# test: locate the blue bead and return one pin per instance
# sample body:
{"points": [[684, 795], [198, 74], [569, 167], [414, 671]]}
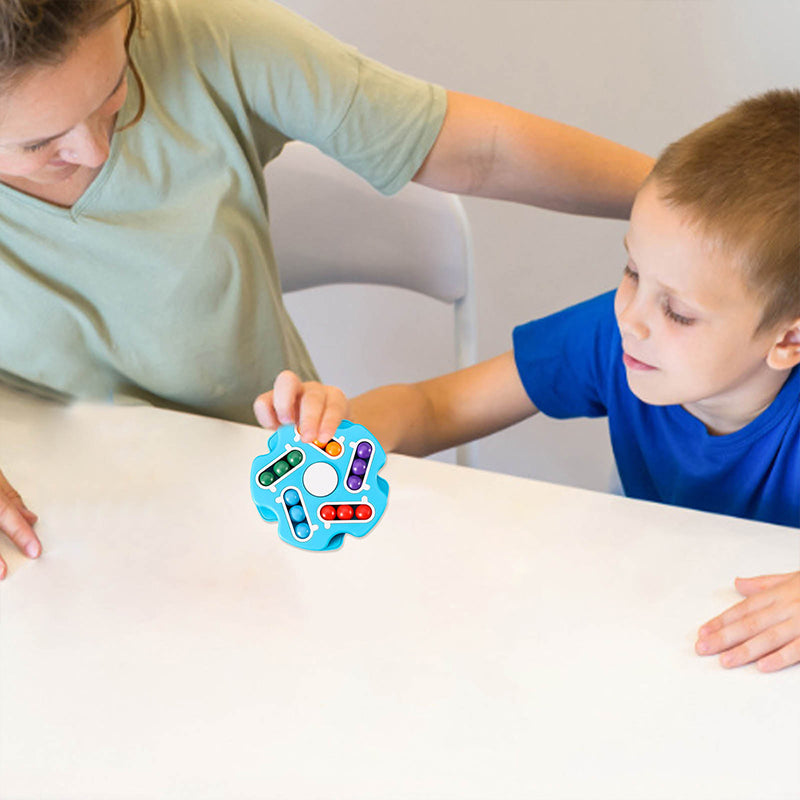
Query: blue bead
{"points": [[302, 531], [297, 514], [292, 497]]}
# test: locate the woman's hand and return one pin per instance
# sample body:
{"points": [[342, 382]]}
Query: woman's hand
{"points": [[316, 409], [16, 522], [764, 628]]}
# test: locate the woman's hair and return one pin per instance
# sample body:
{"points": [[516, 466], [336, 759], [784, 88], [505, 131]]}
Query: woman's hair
{"points": [[738, 179], [43, 32]]}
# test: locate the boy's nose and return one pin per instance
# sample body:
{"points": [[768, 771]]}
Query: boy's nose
{"points": [[631, 321]]}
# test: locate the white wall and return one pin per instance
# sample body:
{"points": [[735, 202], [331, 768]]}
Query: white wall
{"points": [[642, 72]]}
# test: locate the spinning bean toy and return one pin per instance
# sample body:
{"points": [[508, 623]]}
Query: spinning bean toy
{"points": [[319, 492]]}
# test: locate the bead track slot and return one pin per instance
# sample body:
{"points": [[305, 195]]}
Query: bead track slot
{"points": [[297, 514], [358, 469], [333, 449], [282, 466], [354, 513]]}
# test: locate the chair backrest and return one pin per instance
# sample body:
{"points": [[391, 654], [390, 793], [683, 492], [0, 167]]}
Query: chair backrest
{"points": [[329, 226]]}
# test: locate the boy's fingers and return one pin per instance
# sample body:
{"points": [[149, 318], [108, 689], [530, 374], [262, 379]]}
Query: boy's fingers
{"points": [[312, 406], [286, 394], [754, 633], [785, 657], [750, 586], [770, 640], [264, 410], [334, 413], [735, 613], [316, 409]]}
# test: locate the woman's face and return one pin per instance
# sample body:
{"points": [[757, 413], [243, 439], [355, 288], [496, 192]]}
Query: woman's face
{"points": [[59, 119]]}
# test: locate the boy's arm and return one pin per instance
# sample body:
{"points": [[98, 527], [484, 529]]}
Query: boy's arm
{"points": [[423, 418], [492, 150], [764, 628], [415, 419]]}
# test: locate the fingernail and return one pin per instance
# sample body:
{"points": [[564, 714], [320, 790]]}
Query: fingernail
{"points": [[33, 549], [702, 648]]}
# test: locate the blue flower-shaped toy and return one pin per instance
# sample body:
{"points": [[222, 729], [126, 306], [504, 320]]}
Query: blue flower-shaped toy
{"points": [[319, 492]]}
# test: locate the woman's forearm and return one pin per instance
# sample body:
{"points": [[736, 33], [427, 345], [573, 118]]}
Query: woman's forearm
{"points": [[493, 150]]}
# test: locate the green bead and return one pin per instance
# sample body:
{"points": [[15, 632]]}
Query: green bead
{"points": [[280, 468], [266, 478], [294, 457]]}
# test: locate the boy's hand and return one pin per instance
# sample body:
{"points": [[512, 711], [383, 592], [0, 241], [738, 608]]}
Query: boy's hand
{"points": [[314, 408], [16, 521], [764, 628]]}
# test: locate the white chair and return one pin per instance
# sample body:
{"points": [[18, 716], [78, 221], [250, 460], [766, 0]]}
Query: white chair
{"points": [[330, 226]]}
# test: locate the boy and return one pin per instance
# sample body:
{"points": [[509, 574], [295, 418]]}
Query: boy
{"points": [[694, 359]]}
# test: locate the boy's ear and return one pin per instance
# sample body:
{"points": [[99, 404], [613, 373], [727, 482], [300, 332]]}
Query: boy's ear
{"points": [[785, 353]]}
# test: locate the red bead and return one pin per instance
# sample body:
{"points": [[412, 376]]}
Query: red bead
{"points": [[363, 512], [327, 513], [344, 512]]}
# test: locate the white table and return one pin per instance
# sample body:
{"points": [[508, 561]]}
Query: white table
{"points": [[492, 638]]}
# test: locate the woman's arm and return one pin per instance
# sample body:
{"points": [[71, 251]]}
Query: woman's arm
{"points": [[492, 150]]}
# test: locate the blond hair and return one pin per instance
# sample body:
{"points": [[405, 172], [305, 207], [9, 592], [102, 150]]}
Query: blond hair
{"points": [[738, 179], [43, 32]]}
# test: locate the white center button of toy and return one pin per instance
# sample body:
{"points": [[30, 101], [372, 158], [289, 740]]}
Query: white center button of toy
{"points": [[320, 479]]}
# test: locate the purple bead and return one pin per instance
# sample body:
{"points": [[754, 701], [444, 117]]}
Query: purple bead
{"points": [[354, 483], [364, 450], [359, 466]]}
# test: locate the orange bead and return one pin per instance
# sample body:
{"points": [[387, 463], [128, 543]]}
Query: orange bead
{"points": [[333, 448]]}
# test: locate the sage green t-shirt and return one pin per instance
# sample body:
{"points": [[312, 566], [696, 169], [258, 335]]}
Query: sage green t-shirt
{"points": [[160, 282]]}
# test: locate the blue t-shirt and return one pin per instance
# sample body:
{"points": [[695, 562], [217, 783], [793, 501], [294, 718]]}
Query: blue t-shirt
{"points": [[571, 365]]}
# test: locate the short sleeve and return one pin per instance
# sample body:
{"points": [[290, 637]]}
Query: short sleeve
{"points": [[564, 359], [302, 82]]}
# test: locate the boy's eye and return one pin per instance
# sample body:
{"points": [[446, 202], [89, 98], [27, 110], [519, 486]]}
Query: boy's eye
{"points": [[629, 273], [679, 318]]}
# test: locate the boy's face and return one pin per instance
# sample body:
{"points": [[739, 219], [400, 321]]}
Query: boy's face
{"points": [[687, 320]]}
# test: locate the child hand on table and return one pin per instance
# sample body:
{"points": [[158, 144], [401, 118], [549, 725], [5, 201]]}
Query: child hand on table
{"points": [[764, 628]]}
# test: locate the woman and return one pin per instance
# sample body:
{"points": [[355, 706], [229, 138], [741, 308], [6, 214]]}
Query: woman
{"points": [[135, 258]]}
